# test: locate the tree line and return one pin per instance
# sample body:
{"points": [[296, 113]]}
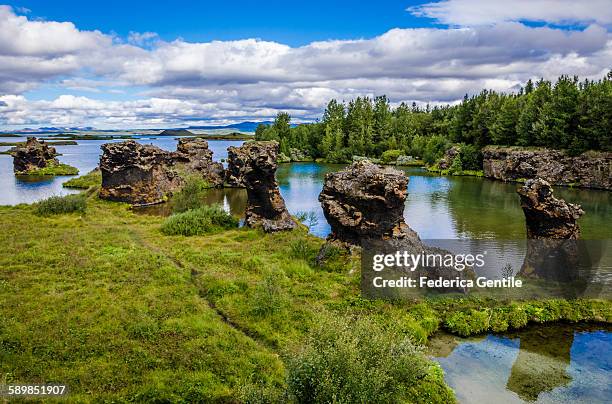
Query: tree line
{"points": [[567, 114]]}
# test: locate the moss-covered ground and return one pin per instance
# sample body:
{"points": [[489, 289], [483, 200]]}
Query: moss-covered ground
{"points": [[91, 179], [52, 168], [106, 303]]}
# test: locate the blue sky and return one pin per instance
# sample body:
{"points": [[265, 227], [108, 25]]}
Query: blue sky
{"points": [[293, 23], [143, 64]]}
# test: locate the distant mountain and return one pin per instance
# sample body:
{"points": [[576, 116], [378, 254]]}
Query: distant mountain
{"points": [[247, 126], [244, 127], [175, 132]]}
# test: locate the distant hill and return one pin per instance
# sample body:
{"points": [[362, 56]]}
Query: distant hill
{"points": [[176, 132], [247, 126]]}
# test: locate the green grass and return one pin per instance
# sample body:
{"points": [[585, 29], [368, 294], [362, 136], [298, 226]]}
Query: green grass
{"points": [[57, 205], [108, 304], [91, 179], [200, 221], [52, 169], [467, 173]]}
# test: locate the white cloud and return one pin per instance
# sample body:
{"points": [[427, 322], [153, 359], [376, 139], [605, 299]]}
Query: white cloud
{"points": [[179, 81], [480, 12]]}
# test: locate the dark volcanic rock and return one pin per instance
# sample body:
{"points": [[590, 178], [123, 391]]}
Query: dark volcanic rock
{"points": [[364, 205], [145, 174], [588, 170], [365, 201], [135, 173], [235, 168], [33, 155], [254, 165], [547, 216], [197, 158], [553, 251]]}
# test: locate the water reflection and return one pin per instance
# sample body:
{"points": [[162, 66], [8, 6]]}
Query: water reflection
{"points": [[555, 363], [436, 207], [84, 156]]}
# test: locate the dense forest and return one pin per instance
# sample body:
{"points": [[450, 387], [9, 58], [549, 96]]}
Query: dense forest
{"points": [[568, 114]]}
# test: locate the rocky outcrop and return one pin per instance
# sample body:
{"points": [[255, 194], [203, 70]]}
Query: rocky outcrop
{"points": [[364, 205], [235, 168], [553, 252], [136, 174], [365, 201], [197, 158], [33, 155], [254, 164], [447, 160], [548, 217], [146, 175], [588, 170]]}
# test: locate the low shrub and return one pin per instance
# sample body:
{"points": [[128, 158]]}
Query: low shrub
{"points": [[57, 205], [307, 218], [390, 156], [455, 168], [471, 157], [348, 361], [270, 296], [204, 220]]}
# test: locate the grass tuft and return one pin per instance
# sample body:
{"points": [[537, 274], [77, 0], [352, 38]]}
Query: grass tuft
{"points": [[57, 205], [197, 222]]}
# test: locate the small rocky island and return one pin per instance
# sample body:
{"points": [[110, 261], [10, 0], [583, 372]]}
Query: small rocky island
{"points": [[38, 158]]}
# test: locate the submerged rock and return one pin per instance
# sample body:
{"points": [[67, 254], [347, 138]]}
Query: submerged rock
{"points": [[33, 155], [198, 159], [547, 216], [253, 165], [136, 174]]}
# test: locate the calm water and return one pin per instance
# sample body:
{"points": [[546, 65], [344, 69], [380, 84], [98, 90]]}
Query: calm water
{"points": [[556, 363], [84, 156], [437, 207]]}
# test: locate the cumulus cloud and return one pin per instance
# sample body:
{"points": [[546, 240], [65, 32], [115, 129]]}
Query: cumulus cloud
{"points": [[479, 12], [178, 81]]}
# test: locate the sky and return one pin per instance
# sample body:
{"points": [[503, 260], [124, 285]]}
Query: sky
{"points": [[142, 64]]}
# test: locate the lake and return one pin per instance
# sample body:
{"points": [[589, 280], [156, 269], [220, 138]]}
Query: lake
{"points": [[555, 363], [437, 207]]}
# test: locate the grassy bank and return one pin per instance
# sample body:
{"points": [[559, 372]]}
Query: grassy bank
{"points": [[468, 173], [52, 143], [52, 169], [91, 179], [102, 300]]}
